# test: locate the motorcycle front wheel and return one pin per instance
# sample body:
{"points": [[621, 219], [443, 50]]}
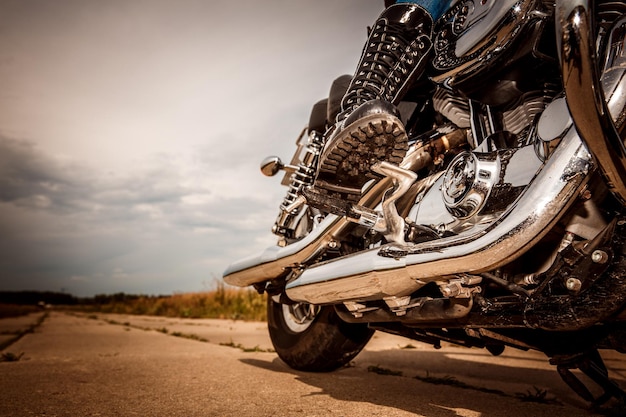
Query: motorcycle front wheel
{"points": [[313, 338]]}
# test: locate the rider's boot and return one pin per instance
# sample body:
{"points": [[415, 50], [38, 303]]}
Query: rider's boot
{"points": [[368, 128]]}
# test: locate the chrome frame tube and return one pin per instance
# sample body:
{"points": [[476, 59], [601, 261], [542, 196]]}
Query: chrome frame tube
{"points": [[584, 95]]}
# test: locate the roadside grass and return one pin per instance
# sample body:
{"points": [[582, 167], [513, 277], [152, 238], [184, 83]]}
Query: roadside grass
{"points": [[383, 371], [222, 303], [246, 349], [127, 326], [538, 396], [191, 336], [16, 310], [10, 357], [453, 382]]}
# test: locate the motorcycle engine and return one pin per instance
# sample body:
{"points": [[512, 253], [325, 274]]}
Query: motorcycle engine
{"points": [[497, 76]]}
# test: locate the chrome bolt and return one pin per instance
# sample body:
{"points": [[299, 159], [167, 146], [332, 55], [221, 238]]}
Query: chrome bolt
{"points": [[599, 257], [333, 244], [573, 284]]}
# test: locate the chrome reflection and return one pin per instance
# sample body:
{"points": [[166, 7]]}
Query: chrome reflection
{"points": [[584, 92], [400, 270]]}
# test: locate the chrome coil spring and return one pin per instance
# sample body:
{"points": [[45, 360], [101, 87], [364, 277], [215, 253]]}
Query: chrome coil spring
{"points": [[305, 174], [302, 177]]}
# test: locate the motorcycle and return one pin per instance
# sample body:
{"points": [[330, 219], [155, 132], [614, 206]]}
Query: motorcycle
{"points": [[504, 225]]}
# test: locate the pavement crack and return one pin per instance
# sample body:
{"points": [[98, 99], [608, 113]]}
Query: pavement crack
{"points": [[18, 335]]}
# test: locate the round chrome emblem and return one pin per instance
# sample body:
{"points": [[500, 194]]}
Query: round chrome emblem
{"points": [[468, 182]]}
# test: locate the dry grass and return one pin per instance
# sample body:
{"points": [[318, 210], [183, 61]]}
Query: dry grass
{"points": [[224, 303], [15, 310]]}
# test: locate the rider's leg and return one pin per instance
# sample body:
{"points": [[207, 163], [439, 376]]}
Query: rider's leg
{"points": [[368, 128]]}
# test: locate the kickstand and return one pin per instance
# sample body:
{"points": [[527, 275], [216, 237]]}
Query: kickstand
{"points": [[592, 365]]}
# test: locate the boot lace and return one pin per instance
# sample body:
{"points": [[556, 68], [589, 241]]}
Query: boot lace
{"points": [[390, 56]]}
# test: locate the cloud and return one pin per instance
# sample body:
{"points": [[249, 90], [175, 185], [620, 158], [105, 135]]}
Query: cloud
{"points": [[31, 179], [160, 227], [147, 121]]}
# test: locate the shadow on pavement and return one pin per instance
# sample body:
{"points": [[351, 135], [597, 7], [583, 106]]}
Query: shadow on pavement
{"points": [[460, 388]]}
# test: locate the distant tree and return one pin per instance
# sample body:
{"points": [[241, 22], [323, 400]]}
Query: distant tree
{"points": [[36, 297]]}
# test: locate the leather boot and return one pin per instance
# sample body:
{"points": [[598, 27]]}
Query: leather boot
{"points": [[368, 128]]}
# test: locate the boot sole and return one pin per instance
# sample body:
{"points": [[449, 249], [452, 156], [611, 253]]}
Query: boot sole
{"points": [[345, 165]]}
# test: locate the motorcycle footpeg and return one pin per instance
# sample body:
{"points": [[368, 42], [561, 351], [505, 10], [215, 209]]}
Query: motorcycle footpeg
{"points": [[340, 207]]}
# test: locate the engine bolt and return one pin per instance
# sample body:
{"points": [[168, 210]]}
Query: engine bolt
{"points": [[599, 256], [573, 284], [333, 244]]}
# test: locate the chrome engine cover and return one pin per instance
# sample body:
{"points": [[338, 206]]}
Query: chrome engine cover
{"points": [[473, 34], [468, 181]]}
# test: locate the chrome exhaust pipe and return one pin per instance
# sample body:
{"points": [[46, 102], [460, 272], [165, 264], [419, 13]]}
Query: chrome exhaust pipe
{"points": [[274, 261], [392, 271], [584, 92]]}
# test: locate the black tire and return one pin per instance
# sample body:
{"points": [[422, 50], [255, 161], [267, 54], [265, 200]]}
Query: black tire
{"points": [[322, 345]]}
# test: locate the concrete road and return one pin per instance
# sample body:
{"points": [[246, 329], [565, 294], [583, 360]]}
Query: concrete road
{"points": [[112, 365]]}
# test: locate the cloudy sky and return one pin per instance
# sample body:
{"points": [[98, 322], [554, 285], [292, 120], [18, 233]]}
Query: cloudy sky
{"points": [[131, 133]]}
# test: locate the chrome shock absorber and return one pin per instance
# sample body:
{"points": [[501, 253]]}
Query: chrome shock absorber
{"points": [[302, 175]]}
